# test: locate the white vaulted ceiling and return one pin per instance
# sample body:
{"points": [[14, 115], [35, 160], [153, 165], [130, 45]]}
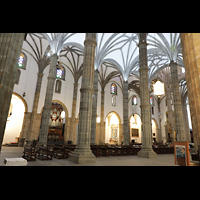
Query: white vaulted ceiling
{"points": [[121, 50]]}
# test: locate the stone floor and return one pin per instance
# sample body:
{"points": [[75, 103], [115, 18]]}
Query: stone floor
{"points": [[161, 160]]}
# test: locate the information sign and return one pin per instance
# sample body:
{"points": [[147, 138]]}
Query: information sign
{"points": [[181, 153]]}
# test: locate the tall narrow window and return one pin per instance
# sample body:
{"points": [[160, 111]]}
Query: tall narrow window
{"points": [[22, 61], [58, 86], [151, 101], [113, 91], [113, 100], [152, 110], [17, 76], [134, 101], [60, 72]]}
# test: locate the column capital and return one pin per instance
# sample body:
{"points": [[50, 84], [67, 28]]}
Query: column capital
{"points": [[90, 38], [40, 74], [173, 63], [75, 84], [142, 43], [88, 89]]}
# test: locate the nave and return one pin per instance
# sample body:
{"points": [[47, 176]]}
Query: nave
{"points": [[162, 160], [143, 60]]}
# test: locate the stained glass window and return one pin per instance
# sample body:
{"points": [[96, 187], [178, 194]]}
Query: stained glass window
{"points": [[113, 89], [60, 72], [151, 101], [134, 102], [22, 61]]}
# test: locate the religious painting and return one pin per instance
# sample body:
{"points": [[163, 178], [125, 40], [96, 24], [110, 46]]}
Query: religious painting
{"points": [[114, 133], [135, 132]]}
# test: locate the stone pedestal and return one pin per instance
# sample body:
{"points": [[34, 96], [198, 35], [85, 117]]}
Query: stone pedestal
{"points": [[147, 152], [82, 155]]}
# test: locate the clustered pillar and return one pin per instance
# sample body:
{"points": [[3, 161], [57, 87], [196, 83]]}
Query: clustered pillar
{"points": [[146, 150], [82, 153], [191, 56], [48, 101], [72, 134], [94, 108], [10, 49], [125, 114], [178, 114]]}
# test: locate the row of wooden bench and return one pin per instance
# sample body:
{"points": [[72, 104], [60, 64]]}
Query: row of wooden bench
{"points": [[104, 150], [47, 153], [62, 151]]}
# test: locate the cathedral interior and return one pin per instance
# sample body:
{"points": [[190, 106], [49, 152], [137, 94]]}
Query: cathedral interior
{"points": [[114, 89]]}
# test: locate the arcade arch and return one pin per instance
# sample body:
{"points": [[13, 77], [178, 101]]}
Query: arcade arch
{"points": [[18, 107], [135, 128], [113, 132], [58, 123]]}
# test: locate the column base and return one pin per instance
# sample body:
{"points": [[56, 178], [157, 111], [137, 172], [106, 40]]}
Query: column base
{"points": [[82, 156], [147, 152]]}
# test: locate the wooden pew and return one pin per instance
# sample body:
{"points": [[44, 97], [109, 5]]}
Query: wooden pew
{"points": [[29, 153], [44, 153], [60, 152], [96, 150]]}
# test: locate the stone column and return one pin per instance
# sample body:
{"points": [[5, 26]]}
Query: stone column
{"points": [[82, 153], [120, 133], [159, 129], [35, 123], [170, 112], [190, 47], [10, 48], [94, 108], [146, 150], [102, 123], [185, 120], [126, 128], [48, 101], [73, 131], [178, 114]]}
